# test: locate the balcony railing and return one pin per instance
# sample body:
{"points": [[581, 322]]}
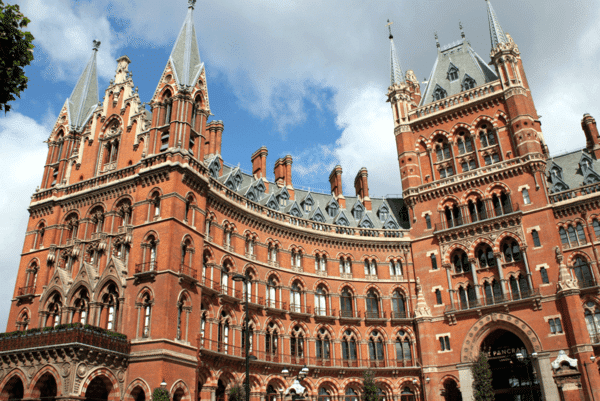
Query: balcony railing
{"points": [[301, 309], [325, 313], [446, 224], [25, 291], [399, 315], [233, 351], [491, 301], [374, 315], [145, 267], [350, 314], [276, 304], [586, 283], [53, 336], [187, 271]]}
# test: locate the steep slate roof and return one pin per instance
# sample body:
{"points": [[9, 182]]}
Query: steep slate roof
{"points": [[462, 56], [572, 173], [185, 56], [397, 209], [84, 99]]}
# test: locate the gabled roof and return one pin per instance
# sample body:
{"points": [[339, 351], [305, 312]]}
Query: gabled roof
{"points": [[462, 56], [84, 99], [341, 219], [318, 215], [185, 56]]}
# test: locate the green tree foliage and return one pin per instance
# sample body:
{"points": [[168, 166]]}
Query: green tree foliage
{"points": [[370, 391], [16, 52], [482, 379], [160, 394], [237, 392]]}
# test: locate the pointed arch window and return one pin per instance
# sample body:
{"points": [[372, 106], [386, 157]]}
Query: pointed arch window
{"points": [[592, 321], [297, 343], [519, 287], [501, 204], [439, 93], [468, 297], [398, 305], [583, 273], [250, 339], [372, 305], [485, 256], [223, 333], [323, 345], [225, 278], [461, 263], [321, 301], [351, 395], [477, 210], [324, 394], [468, 83], [271, 341], [370, 267], [296, 298], [403, 349], [271, 292], [487, 136], [452, 73], [54, 311], [395, 268], [345, 265], [296, 259], [493, 292], [376, 352], [81, 307], [147, 310], [349, 353], [347, 303], [407, 394], [464, 143]]}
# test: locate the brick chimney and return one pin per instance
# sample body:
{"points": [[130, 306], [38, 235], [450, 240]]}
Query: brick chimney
{"points": [[335, 179], [213, 138], [591, 135], [259, 163], [361, 185], [283, 173]]}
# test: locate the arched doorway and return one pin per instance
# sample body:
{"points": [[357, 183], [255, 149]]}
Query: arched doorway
{"points": [[220, 391], [47, 388], [13, 390], [138, 394], [98, 389], [513, 374], [451, 391]]}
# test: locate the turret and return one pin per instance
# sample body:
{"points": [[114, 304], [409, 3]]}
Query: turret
{"points": [[401, 95], [506, 57]]}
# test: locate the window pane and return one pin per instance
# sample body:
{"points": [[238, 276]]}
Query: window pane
{"points": [[544, 275], [536, 238]]}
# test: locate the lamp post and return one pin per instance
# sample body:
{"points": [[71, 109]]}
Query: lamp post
{"points": [[246, 280]]}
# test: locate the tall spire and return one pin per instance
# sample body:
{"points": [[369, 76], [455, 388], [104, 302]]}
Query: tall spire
{"points": [[397, 75], [496, 32], [84, 99], [185, 56]]}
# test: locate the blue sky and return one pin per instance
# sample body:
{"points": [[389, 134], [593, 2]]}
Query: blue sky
{"points": [[306, 78]]}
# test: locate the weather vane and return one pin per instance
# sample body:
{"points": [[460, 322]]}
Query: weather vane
{"points": [[96, 45], [191, 3], [389, 25]]}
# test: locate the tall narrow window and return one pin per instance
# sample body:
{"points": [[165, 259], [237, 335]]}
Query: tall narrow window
{"points": [[438, 297], [376, 346], [147, 307], [349, 346], [526, 199], [596, 226], [323, 345], [372, 305], [428, 221], [320, 302], [544, 275], [433, 259], [297, 343], [395, 268], [271, 286], [536, 238], [295, 301], [346, 303], [398, 305]]}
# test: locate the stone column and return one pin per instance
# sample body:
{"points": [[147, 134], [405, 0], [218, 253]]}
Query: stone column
{"points": [[473, 263], [498, 257], [524, 253], [466, 381], [543, 369]]}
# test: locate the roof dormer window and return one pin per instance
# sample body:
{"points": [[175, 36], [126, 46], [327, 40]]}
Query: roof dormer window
{"points": [[452, 73], [439, 93], [468, 83]]}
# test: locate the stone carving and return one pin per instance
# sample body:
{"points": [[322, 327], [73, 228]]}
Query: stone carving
{"points": [[565, 281], [422, 310], [563, 357], [66, 369], [82, 370]]}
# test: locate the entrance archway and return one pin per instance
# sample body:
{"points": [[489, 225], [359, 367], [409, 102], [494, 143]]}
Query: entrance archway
{"points": [[98, 389], [220, 391], [513, 373], [46, 387], [13, 390], [451, 391]]}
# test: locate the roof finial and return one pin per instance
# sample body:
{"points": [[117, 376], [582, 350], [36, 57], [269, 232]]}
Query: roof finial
{"points": [[389, 25], [191, 3], [462, 32], [437, 42], [96, 45]]}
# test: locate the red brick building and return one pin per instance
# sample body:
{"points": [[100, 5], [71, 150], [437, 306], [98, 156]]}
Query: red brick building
{"points": [[139, 227]]}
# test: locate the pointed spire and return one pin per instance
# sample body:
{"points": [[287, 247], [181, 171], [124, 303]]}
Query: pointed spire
{"points": [[496, 32], [185, 56], [397, 74], [84, 99]]}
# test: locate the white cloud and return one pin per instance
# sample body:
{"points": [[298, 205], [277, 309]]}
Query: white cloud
{"points": [[22, 165], [64, 31]]}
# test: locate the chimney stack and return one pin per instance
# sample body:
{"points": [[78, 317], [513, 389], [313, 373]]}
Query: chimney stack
{"points": [[335, 179], [259, 163], [213, 140], [591, 135], [283, 173], [361, 185]]}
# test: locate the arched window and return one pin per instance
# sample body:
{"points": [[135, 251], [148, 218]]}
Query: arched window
{"points": [[188, 208], [461, 263], [23, 321], [147, 311], [464, 143], [155, 206], [453, 216], [169, 107], [324, 394], [81, 307], [321, 301], [395, 267], [97, 217], [110, 307], [485, 256], [271, 292], [271, 341], [468, 298], [30, 279], [407, 394], [477, 210], [346, 303], [271, 393], [583, 273], [501, 204], [39, 239], [370, 267], [493, 292], [323, 345], [372, 305], [72, 225], [272, 253], [512, 251], [249, 246], [398, 305], [223, 333], [519, 287], [376, 352], [152, 254], [320, 263], [297, 343], [486, 136], [250, 338], [351, 394], [296, 297], [592, 321], [442, 150], [349, 348], [403, 349], [296, 259], [225, 277], [345, 265], [54, 311]]}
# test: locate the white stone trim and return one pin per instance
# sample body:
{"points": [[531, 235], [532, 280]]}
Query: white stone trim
{"points": [[536, 228], [434, 252], [522, 187], [539, 267]]}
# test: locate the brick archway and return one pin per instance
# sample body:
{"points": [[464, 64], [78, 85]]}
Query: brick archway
{"points": [[110, 382], [489, 323]]}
